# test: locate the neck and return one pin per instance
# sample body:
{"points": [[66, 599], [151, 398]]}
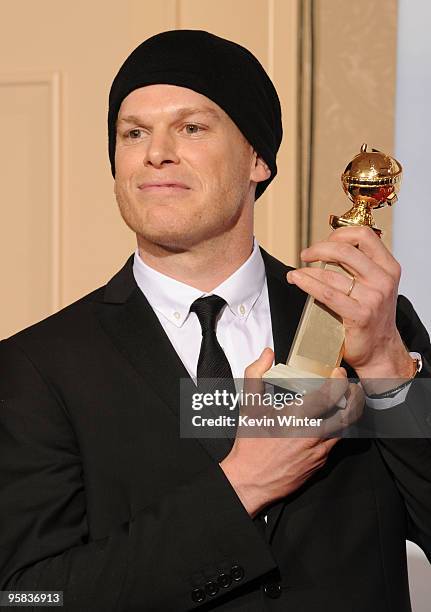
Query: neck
{"points": [[203, 266]]}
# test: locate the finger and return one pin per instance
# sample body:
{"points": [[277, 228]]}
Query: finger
{"points": [[253, 373], [339, 373], [327, 445], [342, 419], [352, 259], [369, 243], [339, 420], [257, 368], [339, 281], [319, 402], [356, 402], [330, 443], [336, 300]]}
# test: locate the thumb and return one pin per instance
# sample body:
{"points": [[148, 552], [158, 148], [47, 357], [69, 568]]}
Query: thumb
{"points": [[261, 365], [339, 373], [339, 388], [253, 373]]}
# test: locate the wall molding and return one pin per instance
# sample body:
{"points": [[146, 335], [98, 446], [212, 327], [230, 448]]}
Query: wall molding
{"points": [[52, 81]]}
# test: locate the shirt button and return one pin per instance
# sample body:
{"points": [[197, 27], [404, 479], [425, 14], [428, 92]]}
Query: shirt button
{"points": [[242, 309], [177, 315]]}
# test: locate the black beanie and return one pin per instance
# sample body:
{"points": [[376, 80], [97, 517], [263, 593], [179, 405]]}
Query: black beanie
{"points": [[221, 70]]}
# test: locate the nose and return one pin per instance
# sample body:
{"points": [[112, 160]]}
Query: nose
{"points": [[160, 150]]}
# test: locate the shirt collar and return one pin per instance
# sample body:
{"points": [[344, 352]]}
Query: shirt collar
{"points": [[173, 299]]}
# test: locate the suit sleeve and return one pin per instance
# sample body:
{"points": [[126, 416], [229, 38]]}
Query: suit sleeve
{"points": [[163, 558], [408, 454]]}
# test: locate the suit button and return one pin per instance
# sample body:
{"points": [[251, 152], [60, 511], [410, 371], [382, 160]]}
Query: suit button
{"points": [[224, 581], [237, 573], [211, 588], [198, 595], [272, 590]]}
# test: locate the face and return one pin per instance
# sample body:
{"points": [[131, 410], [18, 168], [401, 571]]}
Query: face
{"points": [[184, 173]]}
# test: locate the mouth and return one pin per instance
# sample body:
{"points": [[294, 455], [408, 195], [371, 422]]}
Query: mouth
{"points": [[163, 187]]}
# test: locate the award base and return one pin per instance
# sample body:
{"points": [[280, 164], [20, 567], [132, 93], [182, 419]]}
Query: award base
{"points": [[287, 377]]}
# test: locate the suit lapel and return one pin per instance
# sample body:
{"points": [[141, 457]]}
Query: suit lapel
{"points": [[135, 329]]}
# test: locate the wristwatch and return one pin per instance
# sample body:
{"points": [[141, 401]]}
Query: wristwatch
{"points": [[417, 358]]}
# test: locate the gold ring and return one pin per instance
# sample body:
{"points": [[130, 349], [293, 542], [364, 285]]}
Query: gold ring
{"points": [[352, 284]]}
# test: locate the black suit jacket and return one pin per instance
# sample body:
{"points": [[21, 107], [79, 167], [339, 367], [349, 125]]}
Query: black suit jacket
{"points": [[101, 498]]}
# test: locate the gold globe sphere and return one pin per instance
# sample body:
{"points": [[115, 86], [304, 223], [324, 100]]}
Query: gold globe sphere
{"points": [[371, 180]]}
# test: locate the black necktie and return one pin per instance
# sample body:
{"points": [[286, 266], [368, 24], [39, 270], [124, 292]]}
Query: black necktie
{"points": [[214, 371], [213, 364]]}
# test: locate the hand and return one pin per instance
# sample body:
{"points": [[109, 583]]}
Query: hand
{"points": [[267, 468], [373, 346]]}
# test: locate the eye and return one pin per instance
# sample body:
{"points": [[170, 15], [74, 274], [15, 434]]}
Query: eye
{"points": [[192, 128], [134, 134]]}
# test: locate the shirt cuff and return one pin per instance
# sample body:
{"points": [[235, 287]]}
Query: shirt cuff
{"points": [[383, 403]]}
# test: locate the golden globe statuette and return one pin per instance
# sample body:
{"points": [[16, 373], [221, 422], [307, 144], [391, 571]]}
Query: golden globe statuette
{"points": [[371, 180]]}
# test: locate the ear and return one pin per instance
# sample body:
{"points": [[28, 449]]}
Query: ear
{"points": [[260, 170]]}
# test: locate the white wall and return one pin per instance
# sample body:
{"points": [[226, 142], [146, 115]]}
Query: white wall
{"points": [[412, 214]]}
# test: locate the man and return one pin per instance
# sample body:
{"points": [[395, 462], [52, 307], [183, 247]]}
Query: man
{"points": [[100, 496]]}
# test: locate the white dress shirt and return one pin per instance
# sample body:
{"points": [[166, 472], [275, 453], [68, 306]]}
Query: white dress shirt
{"points": [[244, 326]]}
